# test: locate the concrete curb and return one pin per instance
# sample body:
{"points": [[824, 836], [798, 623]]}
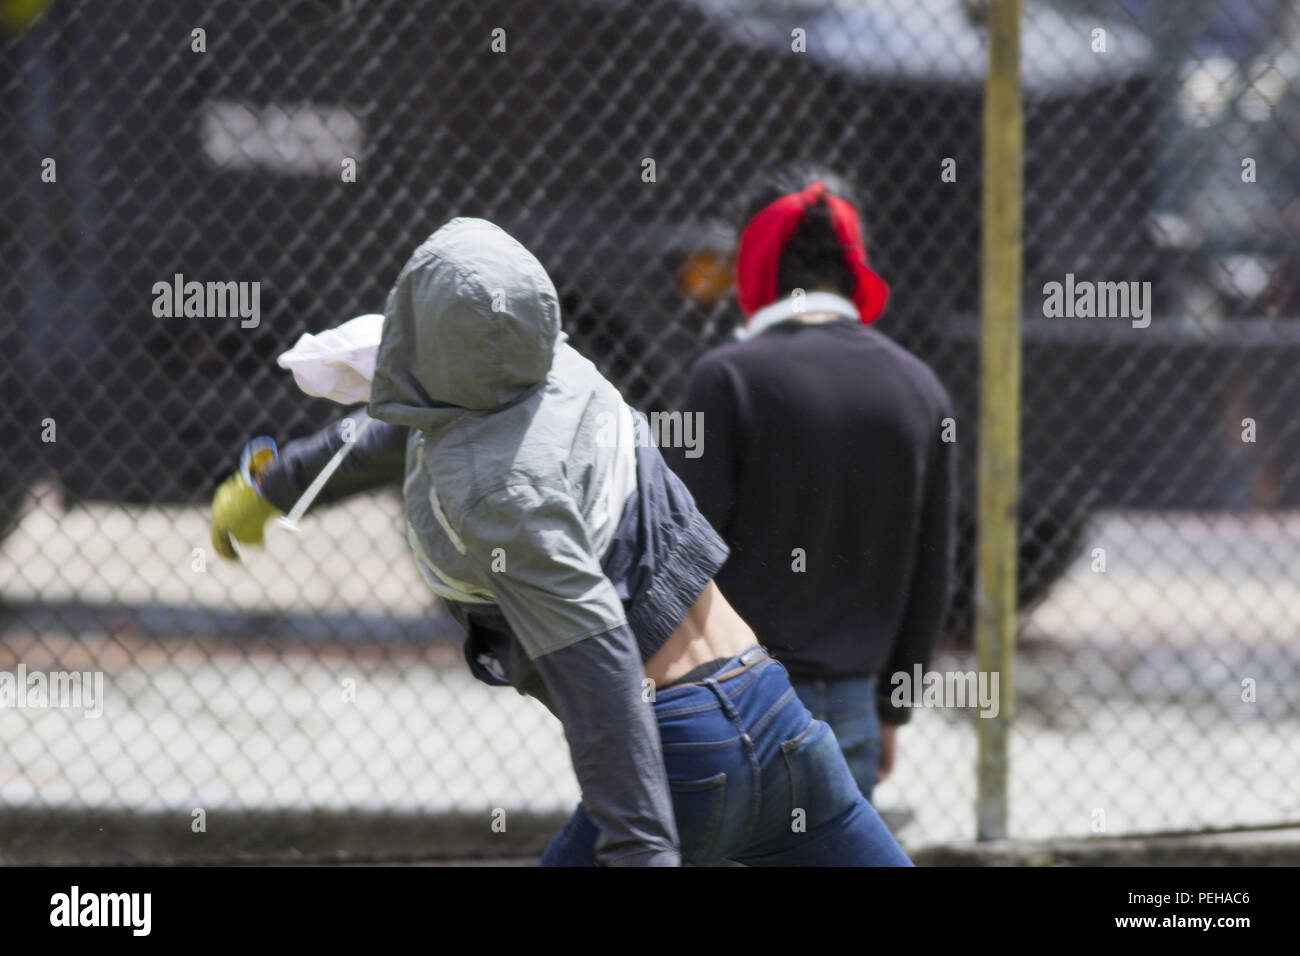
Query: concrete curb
{"points": [[72, 837], [1278, 846]]}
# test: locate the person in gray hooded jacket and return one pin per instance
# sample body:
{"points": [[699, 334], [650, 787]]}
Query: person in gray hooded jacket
{"points": [[582, 571]]}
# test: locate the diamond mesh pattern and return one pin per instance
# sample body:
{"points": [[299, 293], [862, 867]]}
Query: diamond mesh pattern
{"points": [[227, 687]]}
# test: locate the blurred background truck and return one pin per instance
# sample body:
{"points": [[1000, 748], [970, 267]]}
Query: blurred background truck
{"points": [[228, 165]]}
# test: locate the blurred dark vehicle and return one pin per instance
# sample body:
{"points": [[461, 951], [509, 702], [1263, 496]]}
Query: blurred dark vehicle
{"points": [[226, 165]]}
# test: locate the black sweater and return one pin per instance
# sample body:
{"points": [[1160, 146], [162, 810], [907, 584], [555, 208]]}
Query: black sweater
{"points": [[824, 468]]}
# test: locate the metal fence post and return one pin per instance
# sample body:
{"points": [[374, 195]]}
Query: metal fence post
{"points": [[999, 428]]}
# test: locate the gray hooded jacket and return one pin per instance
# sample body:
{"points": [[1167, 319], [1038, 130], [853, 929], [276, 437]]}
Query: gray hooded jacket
{"points": [[536, 509]]}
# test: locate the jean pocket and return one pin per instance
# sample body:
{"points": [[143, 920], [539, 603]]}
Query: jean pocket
{"points": [[699, 806], [821, 785]]}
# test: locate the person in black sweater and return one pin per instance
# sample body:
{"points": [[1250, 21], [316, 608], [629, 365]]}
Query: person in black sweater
{"points": [[825, 469]]}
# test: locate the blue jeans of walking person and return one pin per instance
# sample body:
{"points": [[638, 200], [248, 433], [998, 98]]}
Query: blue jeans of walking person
{"points": [[755, 779], [848, 704]]}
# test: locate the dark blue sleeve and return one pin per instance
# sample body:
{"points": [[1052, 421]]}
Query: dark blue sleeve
{"points": [[595, 688], [378, 460]]}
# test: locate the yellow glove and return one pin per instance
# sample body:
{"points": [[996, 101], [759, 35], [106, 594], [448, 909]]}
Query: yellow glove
{"points": [[238, 509], [17, 15]]}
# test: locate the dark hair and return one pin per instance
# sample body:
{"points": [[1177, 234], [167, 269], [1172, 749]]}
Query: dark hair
{"points": [[813, 256]]}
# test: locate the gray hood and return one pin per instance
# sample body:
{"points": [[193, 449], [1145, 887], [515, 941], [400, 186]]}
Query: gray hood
{"points": [[472, 321]]}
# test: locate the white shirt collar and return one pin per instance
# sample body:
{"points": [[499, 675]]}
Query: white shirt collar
{"points": [[798, 304]]}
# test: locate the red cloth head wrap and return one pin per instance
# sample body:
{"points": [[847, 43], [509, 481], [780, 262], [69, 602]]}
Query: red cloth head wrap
{"points": [[764, 239]]}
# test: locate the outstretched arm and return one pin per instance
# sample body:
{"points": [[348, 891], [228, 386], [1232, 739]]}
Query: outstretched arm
{"points": [[272, 482], [377, 460]]}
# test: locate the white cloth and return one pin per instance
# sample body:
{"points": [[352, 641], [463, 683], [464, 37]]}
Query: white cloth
{"points": [[337, 364], [793, 305]]}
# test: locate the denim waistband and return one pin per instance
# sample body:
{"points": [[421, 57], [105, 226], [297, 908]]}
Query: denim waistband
{"points": [[725, 670]]}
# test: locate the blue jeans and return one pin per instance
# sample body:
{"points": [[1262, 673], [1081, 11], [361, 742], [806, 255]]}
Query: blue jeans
{"points": [[755, 779], [848, 704]]}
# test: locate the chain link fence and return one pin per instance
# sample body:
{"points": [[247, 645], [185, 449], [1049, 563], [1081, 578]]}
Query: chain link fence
{"points": [[314, 700]]}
